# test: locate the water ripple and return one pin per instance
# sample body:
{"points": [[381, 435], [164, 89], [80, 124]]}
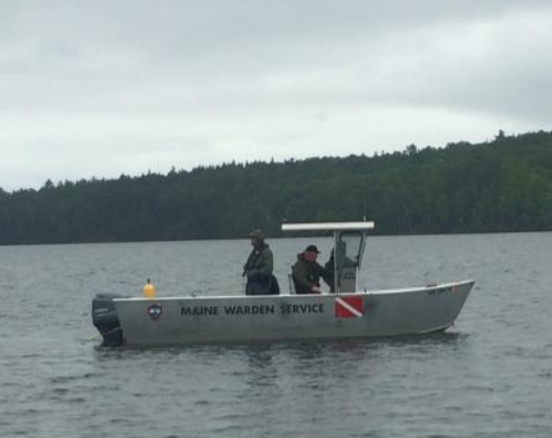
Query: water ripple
{"points": [[488, 377]]}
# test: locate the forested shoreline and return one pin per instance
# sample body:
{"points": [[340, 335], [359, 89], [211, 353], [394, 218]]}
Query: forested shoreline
{"points": [[496, 186]]}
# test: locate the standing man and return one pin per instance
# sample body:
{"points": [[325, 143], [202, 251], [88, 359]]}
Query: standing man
{"points": [[259, 266], [306, 272]]}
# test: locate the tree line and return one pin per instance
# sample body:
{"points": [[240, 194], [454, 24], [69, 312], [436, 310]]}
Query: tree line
{"points": [[495, 186]]}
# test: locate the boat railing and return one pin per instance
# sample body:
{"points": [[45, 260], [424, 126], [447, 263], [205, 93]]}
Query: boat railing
{"points": [[292, 290]]}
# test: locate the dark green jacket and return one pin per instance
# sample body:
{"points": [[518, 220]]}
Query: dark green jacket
{"points": [[258, 268], [307, 274]]}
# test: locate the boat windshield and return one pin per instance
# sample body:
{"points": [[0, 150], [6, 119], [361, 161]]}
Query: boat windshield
{"points": [[349, 249]]}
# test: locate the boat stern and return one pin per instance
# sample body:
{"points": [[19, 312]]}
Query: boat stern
{"points": [[106, 319]]}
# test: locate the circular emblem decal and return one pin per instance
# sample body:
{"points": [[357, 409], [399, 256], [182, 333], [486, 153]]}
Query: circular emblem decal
{"points": [[155, 311]]}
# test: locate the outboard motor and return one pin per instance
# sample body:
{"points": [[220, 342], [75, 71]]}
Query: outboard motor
{"points": [[106, 320]]}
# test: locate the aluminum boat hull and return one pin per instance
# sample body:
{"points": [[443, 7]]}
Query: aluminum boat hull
{"points": [[137, 321]]}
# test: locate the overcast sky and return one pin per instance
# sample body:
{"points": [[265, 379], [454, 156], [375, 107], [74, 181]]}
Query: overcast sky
{"points": [[110, 87]]}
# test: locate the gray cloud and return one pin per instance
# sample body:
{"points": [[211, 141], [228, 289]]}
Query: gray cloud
{"points": [[109, 87]]}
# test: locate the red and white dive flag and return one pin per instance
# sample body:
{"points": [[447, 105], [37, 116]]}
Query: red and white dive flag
{"points": [[348, 307]]}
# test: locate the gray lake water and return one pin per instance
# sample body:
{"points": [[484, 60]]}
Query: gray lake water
{"points": [[490, 376]]}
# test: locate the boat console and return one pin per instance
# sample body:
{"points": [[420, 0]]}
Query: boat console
{"points": [[348, 249]]}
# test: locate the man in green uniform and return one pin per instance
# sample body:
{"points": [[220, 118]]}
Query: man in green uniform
{"points": [[259, 266], [306, 272]]}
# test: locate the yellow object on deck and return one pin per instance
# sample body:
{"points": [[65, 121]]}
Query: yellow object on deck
{"points": [[148, 290]]}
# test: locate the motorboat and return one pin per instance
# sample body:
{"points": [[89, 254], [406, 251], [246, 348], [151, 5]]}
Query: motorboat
{"points": [[343, 312]]}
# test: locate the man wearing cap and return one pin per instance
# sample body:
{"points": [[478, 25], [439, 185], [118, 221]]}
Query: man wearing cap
{"points": [[259, 266], [306, 272]]}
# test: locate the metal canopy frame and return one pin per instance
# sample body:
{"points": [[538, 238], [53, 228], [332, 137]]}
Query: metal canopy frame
{"points": [[327, 226], [339, 230]]}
